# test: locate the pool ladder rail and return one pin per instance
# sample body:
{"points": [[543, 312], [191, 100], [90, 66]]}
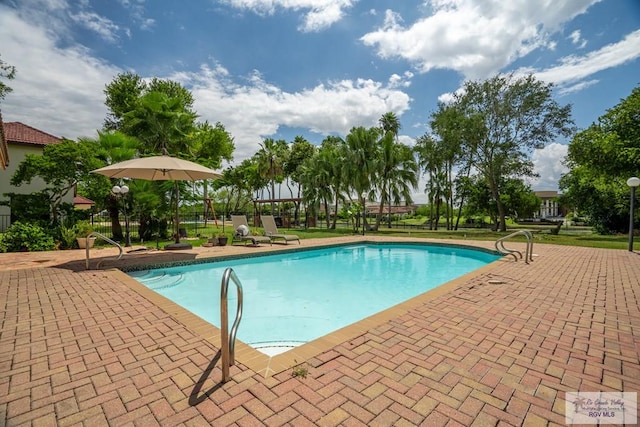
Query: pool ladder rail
{"points": [[228, 340], [105, 238], [528, 255]]}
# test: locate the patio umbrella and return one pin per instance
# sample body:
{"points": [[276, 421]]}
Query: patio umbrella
{"points": [[160, 168]]}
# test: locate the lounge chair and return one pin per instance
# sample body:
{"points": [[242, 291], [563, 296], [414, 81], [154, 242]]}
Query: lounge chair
{"points": [[241, 232], [271, 230]]}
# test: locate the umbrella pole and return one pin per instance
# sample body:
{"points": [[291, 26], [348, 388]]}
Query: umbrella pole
{"points": [[177, 212]]}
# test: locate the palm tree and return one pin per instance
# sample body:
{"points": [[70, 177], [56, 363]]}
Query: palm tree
{"points": [[432, 163], [390, 124], [113, 147], [316, 177], [331, 158], [301, 150], [270, 160], [361, 162], [161, 123], [397, 175]]}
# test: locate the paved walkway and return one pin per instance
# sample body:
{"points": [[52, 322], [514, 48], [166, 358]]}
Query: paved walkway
{"points": [[500, 348]]}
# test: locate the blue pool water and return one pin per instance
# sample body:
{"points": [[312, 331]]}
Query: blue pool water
{"points": [[296, 297]]}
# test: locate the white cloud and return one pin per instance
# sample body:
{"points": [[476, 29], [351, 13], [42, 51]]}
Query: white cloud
{"points": [[60, 90], [577, 39], [56, 90], [320, 14], [104, 27], [396, 80], [565, 90], [568, 75], [256, 110], [474, 38], [137, 12], [575, 68], [548, 163]]}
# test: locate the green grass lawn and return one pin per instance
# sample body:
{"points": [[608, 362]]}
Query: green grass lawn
{"points": [[572, 236]]}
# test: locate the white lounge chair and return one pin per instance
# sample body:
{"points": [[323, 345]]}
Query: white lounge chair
{"points": [[242, 232], [271, 230]]}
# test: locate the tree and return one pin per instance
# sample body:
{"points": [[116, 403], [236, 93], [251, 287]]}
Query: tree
{"points": [[126, 89], [161, 123], [7, 72], [271, 158], [61, 166], [397, 174], [122, 95], [389, 123], [601, 158], [160, 115], [316, 178], [432, 161], [457, 137], [210, 145], [237, 184], [110, 147], [518, 115], [361, 162], [300, 151]]}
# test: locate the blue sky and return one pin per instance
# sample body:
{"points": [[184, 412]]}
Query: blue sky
{"points": [[281, 68]]}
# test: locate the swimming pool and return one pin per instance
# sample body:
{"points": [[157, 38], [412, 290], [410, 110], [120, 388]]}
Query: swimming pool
{"points": [[295, 297]]}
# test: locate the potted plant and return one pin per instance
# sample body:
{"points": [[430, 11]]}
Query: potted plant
{"points": [[222, 239], [84, 229]]}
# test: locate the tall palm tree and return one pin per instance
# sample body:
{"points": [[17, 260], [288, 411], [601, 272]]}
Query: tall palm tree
{"points": [[398, 173], [390, 124], [361, 162], [330, 166], [270, 161], [316, 176], [301, 150]]}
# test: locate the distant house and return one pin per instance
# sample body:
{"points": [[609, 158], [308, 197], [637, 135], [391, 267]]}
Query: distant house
{"points": [[82, 203], [16, 141], [549, 205], [374, 209]]}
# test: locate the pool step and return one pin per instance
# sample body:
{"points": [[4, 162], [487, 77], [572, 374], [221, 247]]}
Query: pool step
{"points": [[273, 348], [162, 281]]}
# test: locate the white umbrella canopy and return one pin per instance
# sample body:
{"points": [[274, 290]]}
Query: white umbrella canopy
{"points": [[158, 168], [161, 168]]}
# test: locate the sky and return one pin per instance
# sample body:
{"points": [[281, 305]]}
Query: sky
{"points": [[281, 68]]}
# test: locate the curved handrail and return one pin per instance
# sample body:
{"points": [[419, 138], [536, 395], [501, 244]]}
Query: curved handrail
{"points": [[103, 237], [228, 340], [528, 256]]}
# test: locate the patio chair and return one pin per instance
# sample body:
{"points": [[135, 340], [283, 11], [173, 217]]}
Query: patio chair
{"points": [[271, 230], [242, 233]]}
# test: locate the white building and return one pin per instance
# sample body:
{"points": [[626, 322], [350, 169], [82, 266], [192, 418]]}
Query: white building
{"points": [[549, 206]]}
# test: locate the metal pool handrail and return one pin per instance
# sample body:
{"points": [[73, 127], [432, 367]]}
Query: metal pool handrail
{"points": [[528, 256], [103, 237], [228, 341]]}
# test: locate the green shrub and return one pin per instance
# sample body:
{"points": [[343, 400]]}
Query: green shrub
{"points": [[83, 229], [21, 237], [67, 236]]}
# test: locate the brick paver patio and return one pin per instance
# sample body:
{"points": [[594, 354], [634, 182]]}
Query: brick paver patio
{"points": [[500, 348]]}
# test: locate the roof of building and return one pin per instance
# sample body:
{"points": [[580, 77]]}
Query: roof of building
{"points": [[81, 200], [546, 194], [16, 132]]}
